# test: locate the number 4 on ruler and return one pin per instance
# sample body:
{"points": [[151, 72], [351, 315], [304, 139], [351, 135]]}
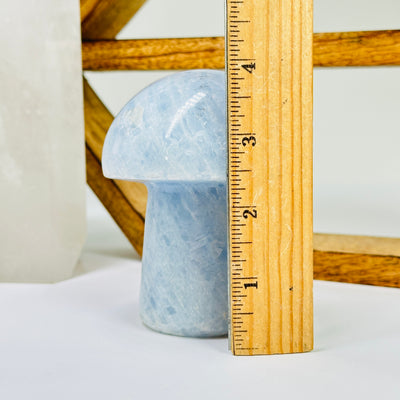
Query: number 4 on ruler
{"points": [[249, 67]]}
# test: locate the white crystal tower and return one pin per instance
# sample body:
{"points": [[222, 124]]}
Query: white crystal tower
{"points": [[42, 170]]}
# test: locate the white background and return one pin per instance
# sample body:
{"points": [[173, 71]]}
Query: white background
{"points": [[83, 339]]}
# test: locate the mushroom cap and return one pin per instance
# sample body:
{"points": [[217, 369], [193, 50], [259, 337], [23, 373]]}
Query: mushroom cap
{"points": [[173, 130]]}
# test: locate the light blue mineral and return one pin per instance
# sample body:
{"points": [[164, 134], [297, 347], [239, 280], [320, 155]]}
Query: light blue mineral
{"points": [[172, 137]]}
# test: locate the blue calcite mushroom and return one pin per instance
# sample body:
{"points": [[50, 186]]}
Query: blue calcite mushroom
{"points": [[172, 137]]}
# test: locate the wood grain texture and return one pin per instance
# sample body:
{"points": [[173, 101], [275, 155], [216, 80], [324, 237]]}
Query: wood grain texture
{"points": [[106, 18], [153, 54], [357, 268], [114, 200], [345, 49], [275, 247], [375, 48], [97, 121], [357, 244], [87, 6]]}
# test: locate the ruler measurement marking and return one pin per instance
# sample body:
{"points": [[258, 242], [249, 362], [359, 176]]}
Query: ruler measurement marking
{"points": [[243, 313], [281, 21]]}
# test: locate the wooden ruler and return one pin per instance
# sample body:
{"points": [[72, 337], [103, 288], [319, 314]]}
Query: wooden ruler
{"points": [[269, 82]]}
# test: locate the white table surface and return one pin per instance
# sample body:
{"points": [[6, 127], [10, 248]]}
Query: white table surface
{"points": [[83, 339]]}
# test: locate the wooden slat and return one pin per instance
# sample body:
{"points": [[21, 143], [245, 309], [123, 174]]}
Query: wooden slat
{"points": [[357, 268], [374, 48], [107, 17], [114, 200], [352, 49], [153, 54], [87, 6], [357, 244], [97, 121], [125, 201]]}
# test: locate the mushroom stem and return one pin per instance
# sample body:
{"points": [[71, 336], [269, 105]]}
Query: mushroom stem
{"points": [[184, 287]]}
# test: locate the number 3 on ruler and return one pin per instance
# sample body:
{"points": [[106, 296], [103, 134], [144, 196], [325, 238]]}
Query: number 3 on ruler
{"points": [[249, 139]]}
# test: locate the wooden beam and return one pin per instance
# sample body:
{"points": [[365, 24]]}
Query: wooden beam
{"points": [[357, 268], [97, 121], [367, 245], [114, 200], [125, 201], [87, 6], [353, 49], [357, 259], [153, 54], [341, 49], [105, 18]]}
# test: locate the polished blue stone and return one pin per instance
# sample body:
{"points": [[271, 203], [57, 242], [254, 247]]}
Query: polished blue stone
{"points": [[172, 137]]}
